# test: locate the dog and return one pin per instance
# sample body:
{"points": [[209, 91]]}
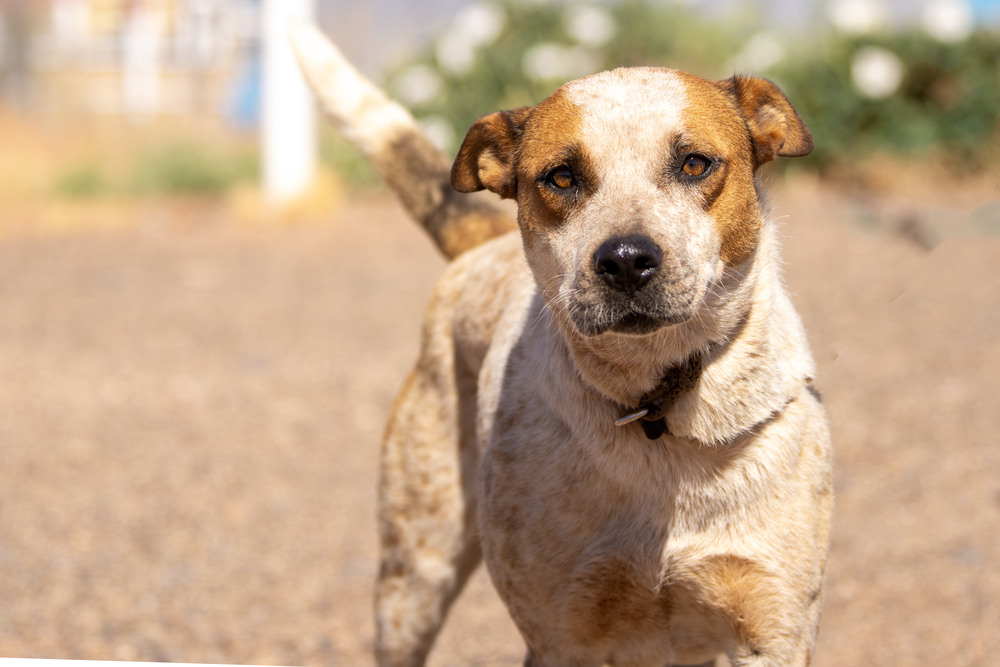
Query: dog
{"points": [[612, 408]]}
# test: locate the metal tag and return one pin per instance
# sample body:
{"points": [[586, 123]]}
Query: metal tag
{"points": [[631, 417]]}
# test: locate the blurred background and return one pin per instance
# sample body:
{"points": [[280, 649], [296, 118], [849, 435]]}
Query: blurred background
{"points": [[208, 302], [152, 97]]}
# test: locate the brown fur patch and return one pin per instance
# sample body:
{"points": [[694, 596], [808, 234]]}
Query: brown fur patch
{"points": [[400, 163], [464, 229], [420, 175], [730, 196], [742, 598], [609, 593], [552, 138]]}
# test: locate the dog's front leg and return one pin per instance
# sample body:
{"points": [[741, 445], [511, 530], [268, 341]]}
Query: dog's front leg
{"points": [[427, 497]]}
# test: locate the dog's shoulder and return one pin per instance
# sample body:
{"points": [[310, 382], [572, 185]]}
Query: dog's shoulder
{"points": [[475, 291]]}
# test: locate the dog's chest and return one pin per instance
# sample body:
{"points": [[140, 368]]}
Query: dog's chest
{"points": [[583, 558], [581, 538], [586, 530]]}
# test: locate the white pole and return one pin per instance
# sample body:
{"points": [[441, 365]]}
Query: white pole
{"points": [[141, 44], [288, 128]]}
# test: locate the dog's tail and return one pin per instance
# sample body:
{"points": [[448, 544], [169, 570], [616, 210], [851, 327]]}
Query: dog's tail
{"points": [[395, 144]]}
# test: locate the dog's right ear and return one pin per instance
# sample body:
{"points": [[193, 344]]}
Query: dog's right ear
{"points": [[776, 128], [486, 158]]}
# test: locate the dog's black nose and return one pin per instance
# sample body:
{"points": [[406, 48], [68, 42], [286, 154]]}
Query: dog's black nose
{"points": [[627, 263]]}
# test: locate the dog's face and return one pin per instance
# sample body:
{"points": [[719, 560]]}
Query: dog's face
{"points": [[635, 188]]}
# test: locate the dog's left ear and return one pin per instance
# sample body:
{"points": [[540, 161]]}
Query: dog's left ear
{"points": [[775, 126], [486, 158]]}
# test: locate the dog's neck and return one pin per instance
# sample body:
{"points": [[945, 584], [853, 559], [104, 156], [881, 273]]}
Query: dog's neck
{"points": [[751, 368]]}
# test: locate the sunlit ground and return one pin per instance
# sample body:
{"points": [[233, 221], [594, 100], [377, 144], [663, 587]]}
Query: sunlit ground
{"points": [[193, 387]]}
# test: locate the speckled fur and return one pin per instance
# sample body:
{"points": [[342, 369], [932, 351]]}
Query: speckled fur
{"points": [[606, 547]]}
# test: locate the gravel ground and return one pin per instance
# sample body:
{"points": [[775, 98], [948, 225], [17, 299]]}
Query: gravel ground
{"points": [[190, 412]]}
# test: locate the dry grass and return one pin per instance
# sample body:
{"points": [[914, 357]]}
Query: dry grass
{"points": [[61, 175]]}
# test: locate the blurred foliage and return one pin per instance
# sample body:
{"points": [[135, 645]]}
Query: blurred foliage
{"points": [[946, 102], [943, 102], [644, 34], [81, 181], [175, 166], [184, 167]]}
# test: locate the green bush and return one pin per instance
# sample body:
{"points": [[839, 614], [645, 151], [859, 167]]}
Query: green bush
{"points": [[81, 181], [183, 167], [658, 34], [947, 101]]}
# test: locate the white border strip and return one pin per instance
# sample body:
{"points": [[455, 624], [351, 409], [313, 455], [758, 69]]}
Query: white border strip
{"points": [[35, 662]]}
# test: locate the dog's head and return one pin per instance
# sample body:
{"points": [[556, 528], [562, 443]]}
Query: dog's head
{"points": [[635, 188]]}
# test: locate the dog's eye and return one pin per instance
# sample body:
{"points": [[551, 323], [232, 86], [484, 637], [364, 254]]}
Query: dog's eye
{"points": [[561, 177], [695, 165]]}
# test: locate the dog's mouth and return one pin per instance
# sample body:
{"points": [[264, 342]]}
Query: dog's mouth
{"points": [[637, 324], [641, 315], [630, 321], [596, 309]]}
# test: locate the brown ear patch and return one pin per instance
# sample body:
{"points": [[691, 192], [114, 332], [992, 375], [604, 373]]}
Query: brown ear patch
{"points": [[486, 158], [776, 128], [713, 114]]}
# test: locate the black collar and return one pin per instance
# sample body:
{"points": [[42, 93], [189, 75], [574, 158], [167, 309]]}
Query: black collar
{"points": [[653, 407]]}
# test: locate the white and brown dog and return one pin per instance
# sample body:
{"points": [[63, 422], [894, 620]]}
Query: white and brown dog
{"points": [[612, 408]]}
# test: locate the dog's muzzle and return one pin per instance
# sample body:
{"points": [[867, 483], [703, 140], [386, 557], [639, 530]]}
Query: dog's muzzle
{"points": [[627, 263], [632, 286]]}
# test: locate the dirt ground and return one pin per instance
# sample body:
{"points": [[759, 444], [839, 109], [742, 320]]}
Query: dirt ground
{"points": [[190, 412]]}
